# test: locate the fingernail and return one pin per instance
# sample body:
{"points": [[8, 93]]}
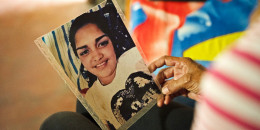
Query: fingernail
{"points": [[159, 104], [165, 90], [165, 102]]}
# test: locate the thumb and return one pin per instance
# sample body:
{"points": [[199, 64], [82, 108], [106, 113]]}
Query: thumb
{"points": [[172, 86]]}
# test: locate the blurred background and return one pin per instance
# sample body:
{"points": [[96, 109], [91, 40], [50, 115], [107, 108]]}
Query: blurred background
{"points": [[31, 90]]}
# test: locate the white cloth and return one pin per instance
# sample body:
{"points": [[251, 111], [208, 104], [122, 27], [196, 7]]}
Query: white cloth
{"points": [[99, 96]]}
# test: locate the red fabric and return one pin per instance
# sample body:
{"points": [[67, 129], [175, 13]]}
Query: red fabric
{"points": [[155, 30], [229, 116], [242, 88]]}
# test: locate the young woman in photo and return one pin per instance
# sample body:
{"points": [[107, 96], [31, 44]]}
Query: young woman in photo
{"points": [[118, 81]]}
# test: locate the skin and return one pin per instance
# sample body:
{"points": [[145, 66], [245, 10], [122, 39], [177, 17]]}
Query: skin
{"points": [[96, 52], [186, 73]]}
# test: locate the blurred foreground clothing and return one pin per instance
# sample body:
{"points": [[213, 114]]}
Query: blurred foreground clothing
{"points": [[231, 87]]}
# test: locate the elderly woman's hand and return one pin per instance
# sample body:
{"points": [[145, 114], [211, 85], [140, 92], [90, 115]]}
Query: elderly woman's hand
{"points": [[186, 75]]}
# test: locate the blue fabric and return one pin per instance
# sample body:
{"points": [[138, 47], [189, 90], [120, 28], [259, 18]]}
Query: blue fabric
{"points": [[139, 14], [215, 18]]}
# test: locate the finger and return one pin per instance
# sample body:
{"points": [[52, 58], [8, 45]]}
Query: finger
{"points": [[178, 65], [164, 60], [168, 72], [164, 74], [178, 71], [167, 99], [160, 100], [172, 86], [194, 96]]}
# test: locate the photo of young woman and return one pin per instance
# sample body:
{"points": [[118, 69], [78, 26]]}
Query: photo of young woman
{"points": [[118, 81]]}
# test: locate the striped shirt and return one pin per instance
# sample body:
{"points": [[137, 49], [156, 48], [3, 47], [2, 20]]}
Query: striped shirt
{"points": [[231, 87]]}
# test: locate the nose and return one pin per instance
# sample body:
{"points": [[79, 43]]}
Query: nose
{"points": [[97, 55]]}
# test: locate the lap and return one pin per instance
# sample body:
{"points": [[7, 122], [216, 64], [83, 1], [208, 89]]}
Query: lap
{"points": [[68, 121], [172, 116]]}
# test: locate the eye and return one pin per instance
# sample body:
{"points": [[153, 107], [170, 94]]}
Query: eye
{"points": [[84, 52], [103, 44]]}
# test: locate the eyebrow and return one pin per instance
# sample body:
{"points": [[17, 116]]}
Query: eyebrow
{"points": [[82, 47], [97, 39]]}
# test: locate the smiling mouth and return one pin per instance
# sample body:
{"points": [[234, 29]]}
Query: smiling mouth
{"points": [[101, 64]]}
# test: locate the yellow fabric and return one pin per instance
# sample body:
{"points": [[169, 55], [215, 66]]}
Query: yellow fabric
{"points": [[207, 50]]}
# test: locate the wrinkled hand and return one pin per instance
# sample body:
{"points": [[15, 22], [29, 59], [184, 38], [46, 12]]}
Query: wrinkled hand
{"points": [[186, 73]]}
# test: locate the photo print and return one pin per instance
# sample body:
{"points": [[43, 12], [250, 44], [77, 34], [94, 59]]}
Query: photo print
{"points": [[97, 58]]}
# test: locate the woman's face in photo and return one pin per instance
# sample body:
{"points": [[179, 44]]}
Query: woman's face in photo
{"points": [[96, 52]]}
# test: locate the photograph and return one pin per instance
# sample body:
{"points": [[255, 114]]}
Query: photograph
{"points": [[96, 56]]}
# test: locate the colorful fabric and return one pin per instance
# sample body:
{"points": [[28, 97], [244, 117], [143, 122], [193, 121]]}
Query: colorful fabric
{"points": [[191, 29], [231, 87]]}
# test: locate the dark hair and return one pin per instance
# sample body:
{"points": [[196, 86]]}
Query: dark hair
{"points": [[109, 22], [87, 18]]}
